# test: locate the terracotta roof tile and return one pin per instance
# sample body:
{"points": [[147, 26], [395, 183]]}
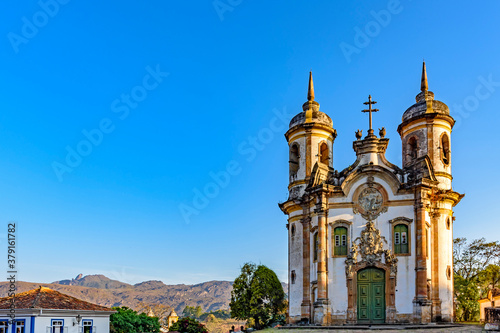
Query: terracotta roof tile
{"points": [[47, 298]]}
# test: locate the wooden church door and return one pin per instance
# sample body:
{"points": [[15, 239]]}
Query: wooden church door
{"points": [[371, 296]]}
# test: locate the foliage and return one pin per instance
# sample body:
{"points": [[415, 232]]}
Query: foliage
{"points": [[219, 314], [188, 325], [476, 269], [126, 320], [257, 296], [192, 312], [467, 296]]}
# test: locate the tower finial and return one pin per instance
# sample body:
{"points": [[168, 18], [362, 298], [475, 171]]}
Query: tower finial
{"points": [[310, 90], [424, 86]]}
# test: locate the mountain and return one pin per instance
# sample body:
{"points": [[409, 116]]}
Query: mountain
{"points": [[94, 281], [99, 289]]}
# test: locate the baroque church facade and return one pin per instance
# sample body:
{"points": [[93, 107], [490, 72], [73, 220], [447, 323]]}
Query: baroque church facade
{"points": [[372, 243]]}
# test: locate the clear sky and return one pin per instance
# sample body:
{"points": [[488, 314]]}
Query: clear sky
{"points": [[173, 94]]}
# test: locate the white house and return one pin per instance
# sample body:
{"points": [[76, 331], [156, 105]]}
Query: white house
{"points": [[44, 310]]}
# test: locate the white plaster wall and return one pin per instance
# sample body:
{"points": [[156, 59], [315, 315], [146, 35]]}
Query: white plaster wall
{"points": [[445, 259], [295, 259], [101, 323], [405, 284]]}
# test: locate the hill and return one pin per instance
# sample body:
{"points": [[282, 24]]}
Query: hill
{"points": [[211, 296]]}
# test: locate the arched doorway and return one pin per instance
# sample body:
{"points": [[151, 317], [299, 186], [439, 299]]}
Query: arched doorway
{"points": [[371, 295]]}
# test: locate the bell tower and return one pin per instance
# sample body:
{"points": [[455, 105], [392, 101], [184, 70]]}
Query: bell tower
{"points": [[426, 137], [426, 130], [310, 139]]}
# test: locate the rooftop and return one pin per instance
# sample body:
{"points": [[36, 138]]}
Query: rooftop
{"points": [[46, 298]]}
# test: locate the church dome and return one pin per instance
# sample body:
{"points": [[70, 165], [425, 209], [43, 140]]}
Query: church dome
{"points": [[425, 102], [311, 111], [317, 117]]}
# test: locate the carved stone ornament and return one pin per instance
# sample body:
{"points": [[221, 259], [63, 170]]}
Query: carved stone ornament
{"points": [[369, 249], [370, 203]]}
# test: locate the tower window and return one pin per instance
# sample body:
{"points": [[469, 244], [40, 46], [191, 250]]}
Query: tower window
{"points": [[294, 159], [412, 148], [445, 149], [340, 241], [316, 246], [324, 153], [401, 238], [293, 230], [448, 223], [292, 277]]}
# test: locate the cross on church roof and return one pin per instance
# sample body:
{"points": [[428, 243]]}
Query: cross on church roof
{"points": [[370, 110]]}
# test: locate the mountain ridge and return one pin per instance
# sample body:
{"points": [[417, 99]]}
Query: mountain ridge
{"points": [[99, 289]]}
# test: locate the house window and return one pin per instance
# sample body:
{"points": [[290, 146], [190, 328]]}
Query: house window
{"points": [[445, 149], [316, 246], [87, 326], [57, 326], [18, 326], [3, 327], [324, 153], [340, 241], [401, 238]]}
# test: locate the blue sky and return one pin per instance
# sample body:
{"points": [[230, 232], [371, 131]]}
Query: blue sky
{"points": [[174, 94]]}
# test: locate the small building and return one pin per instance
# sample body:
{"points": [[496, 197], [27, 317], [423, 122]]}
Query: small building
{"points": [[44, 310], [172, 318], [492, 301]]}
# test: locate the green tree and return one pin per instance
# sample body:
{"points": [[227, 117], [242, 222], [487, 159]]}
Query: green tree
{"points": [[257, 296], [192, 312], [126, 320], [188, 325], [471, 262], [490, 276]]}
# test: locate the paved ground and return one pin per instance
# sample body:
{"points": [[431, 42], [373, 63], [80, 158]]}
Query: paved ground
{"points": [[385, 329]]}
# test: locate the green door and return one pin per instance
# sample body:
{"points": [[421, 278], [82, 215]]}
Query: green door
{"points": [[371, 296]]}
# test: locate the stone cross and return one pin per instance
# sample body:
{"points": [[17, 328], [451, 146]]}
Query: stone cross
{"points": [[370, 110]]}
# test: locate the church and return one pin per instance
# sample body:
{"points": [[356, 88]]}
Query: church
{"points": [[372, 243]]}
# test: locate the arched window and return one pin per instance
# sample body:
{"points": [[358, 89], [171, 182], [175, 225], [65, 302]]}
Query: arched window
{"points": [[324, 154], [340, 241], [294, 159], [316, 246], [412, 148], [445, 149], [401, 238]]}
